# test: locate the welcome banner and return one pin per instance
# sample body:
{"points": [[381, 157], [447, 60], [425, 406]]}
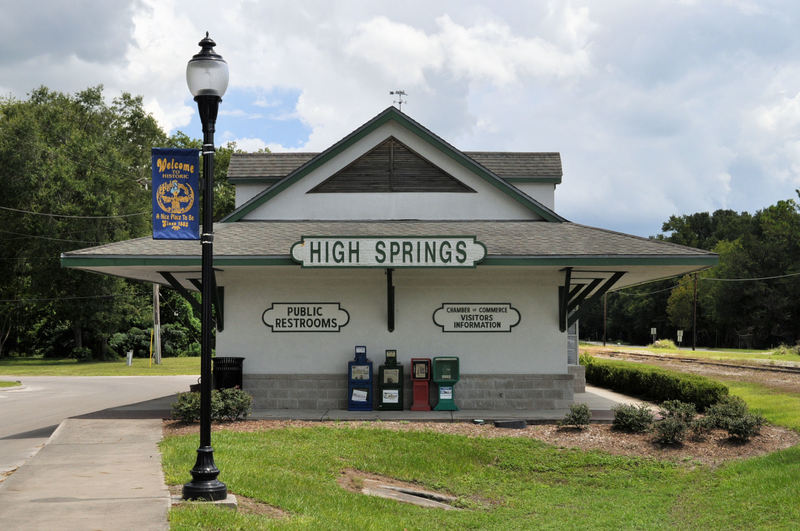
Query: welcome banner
{"points": [[176, 194]]}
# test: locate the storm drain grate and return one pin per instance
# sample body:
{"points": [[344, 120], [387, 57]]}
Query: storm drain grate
{"points": [[423, 498]]}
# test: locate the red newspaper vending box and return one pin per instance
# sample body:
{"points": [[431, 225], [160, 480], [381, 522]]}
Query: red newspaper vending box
{"points": [[420, 384]]}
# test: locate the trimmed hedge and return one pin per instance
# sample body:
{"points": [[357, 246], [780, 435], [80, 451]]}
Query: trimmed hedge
{"points": [[653, 383]]}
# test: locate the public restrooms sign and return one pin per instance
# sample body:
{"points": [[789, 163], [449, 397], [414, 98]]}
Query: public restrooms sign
{"points": [[176, 194], [388, 251]]}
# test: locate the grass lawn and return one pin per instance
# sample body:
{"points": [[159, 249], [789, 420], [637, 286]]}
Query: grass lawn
{"points": [[505, 483], [69, 367], [9, 384], [779, 408]]}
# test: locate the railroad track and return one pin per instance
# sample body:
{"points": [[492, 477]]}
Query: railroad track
{"points": [[698, 361]]}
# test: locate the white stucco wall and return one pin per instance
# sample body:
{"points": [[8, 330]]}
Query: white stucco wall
{"points": [[534, 346], [542, 192], [294, 203]]}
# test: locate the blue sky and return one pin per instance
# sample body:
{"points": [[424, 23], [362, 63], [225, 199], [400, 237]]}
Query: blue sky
{"points": [[657, 108]]}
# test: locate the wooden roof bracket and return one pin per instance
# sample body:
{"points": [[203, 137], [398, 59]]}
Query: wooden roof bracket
{"points": [[571, 298], [217, 303]]}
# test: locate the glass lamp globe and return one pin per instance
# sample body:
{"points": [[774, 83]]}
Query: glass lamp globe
{"points": [[207, 72]]}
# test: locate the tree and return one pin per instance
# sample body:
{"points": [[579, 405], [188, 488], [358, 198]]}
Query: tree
{"points": [[74, 171], [680, 305]]}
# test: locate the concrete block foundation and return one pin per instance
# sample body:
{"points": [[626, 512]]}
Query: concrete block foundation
{"points": [[473, 391]]}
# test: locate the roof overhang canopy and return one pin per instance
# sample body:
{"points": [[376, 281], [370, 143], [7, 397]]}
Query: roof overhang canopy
{"points": [[540, 246]]}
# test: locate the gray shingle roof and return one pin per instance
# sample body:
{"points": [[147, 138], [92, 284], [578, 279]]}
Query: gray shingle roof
{"points": [[502, 239], [508, 165]]}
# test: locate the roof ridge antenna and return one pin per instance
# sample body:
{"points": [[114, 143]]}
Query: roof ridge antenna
{"points": [[400, 101]]}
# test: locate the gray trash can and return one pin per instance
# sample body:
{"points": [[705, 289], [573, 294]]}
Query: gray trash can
{"points": [[227, 372]]}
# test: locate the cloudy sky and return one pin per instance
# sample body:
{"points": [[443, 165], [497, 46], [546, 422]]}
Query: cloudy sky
{"points": [[657, 107]]}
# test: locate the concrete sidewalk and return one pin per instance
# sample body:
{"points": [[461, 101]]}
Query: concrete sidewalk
{"points": [[92, 474], [103, 470]]}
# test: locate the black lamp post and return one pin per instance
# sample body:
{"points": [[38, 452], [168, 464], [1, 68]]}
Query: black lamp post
{"points": [[207, 77]]}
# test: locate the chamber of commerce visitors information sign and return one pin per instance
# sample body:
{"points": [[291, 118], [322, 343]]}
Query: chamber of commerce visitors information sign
{"points": [[389, 251], [176, 194], [305, 317], [476, 317]]}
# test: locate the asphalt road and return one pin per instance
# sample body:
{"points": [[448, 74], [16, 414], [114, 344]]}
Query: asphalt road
{"points": [[29, 415]]}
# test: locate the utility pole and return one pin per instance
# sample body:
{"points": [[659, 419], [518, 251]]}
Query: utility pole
{"points": [[156, 324], [694, 315], [605, 316]]}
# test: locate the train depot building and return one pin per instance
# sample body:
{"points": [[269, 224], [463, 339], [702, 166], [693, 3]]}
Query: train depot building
{"points": [[393, 239]]}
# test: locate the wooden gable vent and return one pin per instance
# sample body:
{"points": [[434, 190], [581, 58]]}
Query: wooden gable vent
{"points": [[390, 167]]}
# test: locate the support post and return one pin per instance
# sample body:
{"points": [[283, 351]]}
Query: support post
{"points": [[389, 300]]}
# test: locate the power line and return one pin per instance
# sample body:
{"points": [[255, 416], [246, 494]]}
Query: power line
{"points": [[748, 279], [648, 293], [48, 238], [64, 298], [72, 217]]}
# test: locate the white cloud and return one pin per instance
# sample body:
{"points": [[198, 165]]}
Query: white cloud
{"points": [[657, 107]]}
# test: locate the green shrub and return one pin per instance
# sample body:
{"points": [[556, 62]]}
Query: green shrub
{"points": [[235, 403], [81, 353], [653, 383], [631, 418], [700, 427], [670, 430], [682, 411], [578, 416], [726, 410], [746, 426], [786, 349], [227, 404], [187, 407], [664, 343]]}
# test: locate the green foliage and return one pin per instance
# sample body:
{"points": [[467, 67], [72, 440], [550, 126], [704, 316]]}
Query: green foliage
{"points": [[679, 410], [670, 430], [726, 410], [235, 403], [732, 415], [70, 155], [664, 343], [226, 404], [578, 416], [81, 353], [746, 426], [653, 383], [177, 340], [786, 350], [700, 427], [632, 418]]}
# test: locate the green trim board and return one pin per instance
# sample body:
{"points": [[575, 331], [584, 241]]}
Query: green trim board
{"points": [[537, 180], [392, 114]]}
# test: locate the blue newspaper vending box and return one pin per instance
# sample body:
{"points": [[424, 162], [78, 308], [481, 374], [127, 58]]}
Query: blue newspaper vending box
{"points": [[359, 381]]}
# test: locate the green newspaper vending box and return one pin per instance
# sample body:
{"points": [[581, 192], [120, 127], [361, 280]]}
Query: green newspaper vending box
{"points": [[446, 375]]}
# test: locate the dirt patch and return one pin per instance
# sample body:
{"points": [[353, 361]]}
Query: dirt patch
{"points": [[245, 505], [716, 449]]}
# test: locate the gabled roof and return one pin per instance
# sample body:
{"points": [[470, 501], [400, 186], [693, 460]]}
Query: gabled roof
{"points": [[526, 166], [392, 114]]}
